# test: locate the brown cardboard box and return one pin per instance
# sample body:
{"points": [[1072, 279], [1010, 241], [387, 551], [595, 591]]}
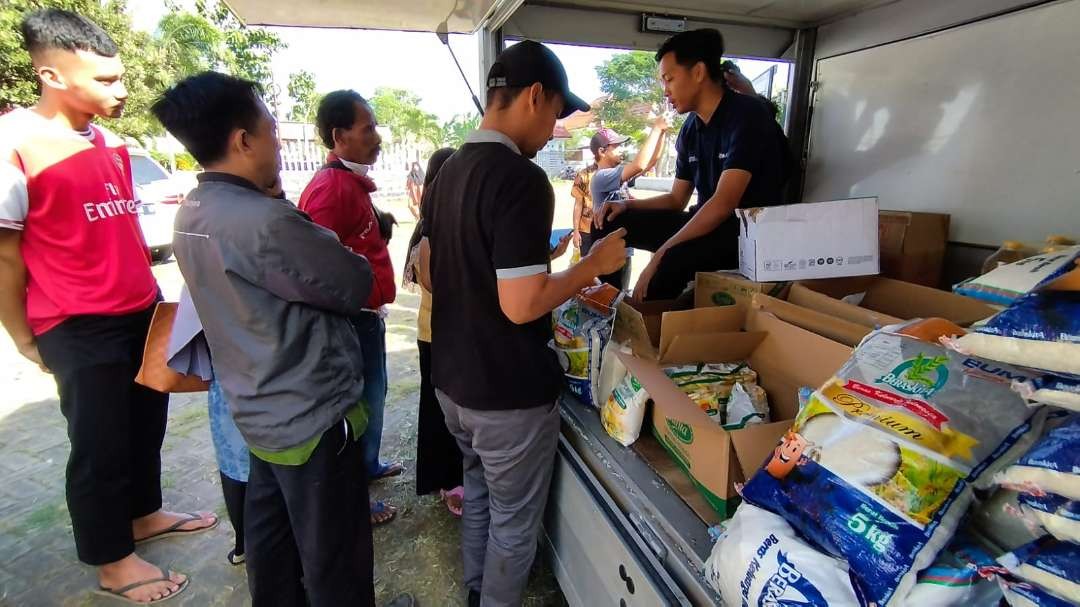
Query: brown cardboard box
{"points": [[886, 301], [729, 288], [650, 327], [913, 246], [837, 329], [785, 357]]}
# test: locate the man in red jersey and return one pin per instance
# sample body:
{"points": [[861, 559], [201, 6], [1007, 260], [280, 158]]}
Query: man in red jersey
{"points": [[77, 295], [339, 198]]}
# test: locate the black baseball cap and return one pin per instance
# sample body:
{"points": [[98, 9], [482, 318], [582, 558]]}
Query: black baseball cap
{"points": [[529, 62]]}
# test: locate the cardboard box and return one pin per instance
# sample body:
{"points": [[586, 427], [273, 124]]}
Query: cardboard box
{"points": [[913, 246], [810, 240], [785, 357], [650, 327], [729, 288], [876, 302], [837, 329]]}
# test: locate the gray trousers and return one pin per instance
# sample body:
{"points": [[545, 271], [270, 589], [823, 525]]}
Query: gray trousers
{"points": [[508, 461]]}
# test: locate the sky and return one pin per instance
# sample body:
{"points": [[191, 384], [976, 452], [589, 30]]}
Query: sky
{"points": [[365, 59]]}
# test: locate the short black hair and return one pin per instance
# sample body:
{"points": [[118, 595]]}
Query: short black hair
{"points": [[500, 98], [703, 45], [53, 28], [337, 110], [202, 111]]}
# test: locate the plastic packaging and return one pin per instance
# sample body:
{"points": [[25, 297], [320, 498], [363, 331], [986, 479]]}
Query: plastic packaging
{"points": [[759, 560], [878, 467], [582, 328], [748, 405], [710, 385], [954, 579], [1040, 331], [1057, 242], [1022, 594], [1048, 563], [624, 411], [1059, 516], [1011, 251], [1050, 390], [1052, 466], [1009, 282]]}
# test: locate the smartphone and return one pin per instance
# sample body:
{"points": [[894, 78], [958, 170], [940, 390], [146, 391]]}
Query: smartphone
{"points": [[557, 236]]}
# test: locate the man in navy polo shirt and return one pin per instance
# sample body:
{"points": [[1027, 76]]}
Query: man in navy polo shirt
{"points": [[731, 150]]}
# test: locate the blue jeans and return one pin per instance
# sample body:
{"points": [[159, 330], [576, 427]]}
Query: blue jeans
{"points": [[372, 333]]}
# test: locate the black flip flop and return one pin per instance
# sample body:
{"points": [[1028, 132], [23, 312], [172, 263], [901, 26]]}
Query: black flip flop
{"points": [[175, 530], [118, 593]]}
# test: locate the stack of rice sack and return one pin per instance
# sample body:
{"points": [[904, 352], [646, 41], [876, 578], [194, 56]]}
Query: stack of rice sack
{"points": [[1039, 329], [582, 328], [1047, 570], [869, 486]]}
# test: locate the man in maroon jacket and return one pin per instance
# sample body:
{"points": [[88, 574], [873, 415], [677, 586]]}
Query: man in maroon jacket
{"points": [[339, 198]]}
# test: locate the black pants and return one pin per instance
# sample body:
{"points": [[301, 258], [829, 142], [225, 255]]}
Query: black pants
{"points": [[649, 230], [115, 428], [587, 241], [308, 528], [235, 494], [438, 458]]}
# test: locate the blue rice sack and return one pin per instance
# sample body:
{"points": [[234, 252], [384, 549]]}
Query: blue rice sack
{"points": [[1058, 515], [1040, 331], [1052, 390], [1050, 564], [1051, 466], [1007, 283]]}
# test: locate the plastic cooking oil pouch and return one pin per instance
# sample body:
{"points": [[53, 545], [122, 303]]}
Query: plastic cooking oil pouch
{"points": [[624, 411], [710, 385], [878, 466]]}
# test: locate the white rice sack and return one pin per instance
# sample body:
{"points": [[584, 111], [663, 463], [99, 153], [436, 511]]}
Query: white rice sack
{"points": [[878, 467], [1059, 516], [999, 521], [1048, 563], [1050, 390], [624, 411], [1006, 283], [760, 561], [1022, 594], [954, 580], [1052, 466], [1040, 331]]}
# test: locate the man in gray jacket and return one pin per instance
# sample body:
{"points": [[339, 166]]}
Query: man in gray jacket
{"points": [[274, 291]]}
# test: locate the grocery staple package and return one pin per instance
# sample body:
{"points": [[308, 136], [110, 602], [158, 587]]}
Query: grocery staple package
{"points": [[1051, 466], [727, 392], [1048, 563], [953, 580], [878, 467], [1007, 283], [1058, 515], [624, 412], [1022, 594], [582, 328], [1053, 390]]}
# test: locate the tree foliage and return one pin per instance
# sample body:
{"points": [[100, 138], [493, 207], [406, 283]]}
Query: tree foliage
{"points": [[304, 95], [632, 92], [184, 43], [399, 110], [455, 130]]}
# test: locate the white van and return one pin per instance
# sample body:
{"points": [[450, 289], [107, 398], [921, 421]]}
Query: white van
{"points": [[160, 194]]}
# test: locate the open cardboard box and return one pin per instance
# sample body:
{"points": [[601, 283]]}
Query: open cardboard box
{"points": [[785, 357], [837, 329], [651, 327], [886, 301], [730, 288]]}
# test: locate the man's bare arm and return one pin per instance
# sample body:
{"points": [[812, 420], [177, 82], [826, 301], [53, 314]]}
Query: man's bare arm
{"points": [[13, 296]]}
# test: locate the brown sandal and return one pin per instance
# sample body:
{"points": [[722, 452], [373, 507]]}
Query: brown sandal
{"points": [[118, 593], [175, 530]]}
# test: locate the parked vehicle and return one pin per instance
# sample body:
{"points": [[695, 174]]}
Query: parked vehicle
{"points": [[160, 194]]}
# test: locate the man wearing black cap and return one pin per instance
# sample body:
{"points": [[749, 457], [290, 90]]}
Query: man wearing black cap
{"points": [[731, 150], [487, 222]]}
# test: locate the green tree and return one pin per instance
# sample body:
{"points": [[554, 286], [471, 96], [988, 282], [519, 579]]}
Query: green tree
{"points": [[455, 130], [399, 110], [192, 43], [250, 49], [304, 95], [629, 82]]}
